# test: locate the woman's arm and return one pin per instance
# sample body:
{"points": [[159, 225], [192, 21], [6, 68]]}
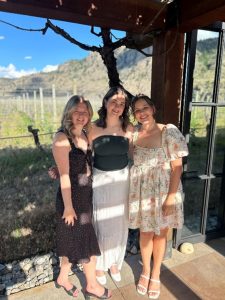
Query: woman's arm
{"points": [[176, 171], [61, 149]]}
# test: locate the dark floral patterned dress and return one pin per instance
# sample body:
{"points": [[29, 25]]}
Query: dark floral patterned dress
{"points": [[77, 242]]}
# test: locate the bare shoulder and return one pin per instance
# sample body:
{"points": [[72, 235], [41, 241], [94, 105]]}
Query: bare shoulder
{"points": [[161, 126], [60, 139]]}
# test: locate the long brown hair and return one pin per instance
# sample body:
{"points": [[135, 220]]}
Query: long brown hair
{"points": [[102, 112]]}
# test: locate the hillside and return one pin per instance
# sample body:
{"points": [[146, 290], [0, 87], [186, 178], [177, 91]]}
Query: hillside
{"points": [[87, 77], [205, 63]]}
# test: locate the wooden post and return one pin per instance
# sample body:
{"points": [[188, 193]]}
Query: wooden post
{"points": [[167, 65], [35, 106], [17, 104], [27, 103], [20, 99], [24, 103], [42, 104], [54, 103]]}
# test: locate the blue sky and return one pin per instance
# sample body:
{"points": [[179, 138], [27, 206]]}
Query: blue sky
{"points": [[23, 52]]}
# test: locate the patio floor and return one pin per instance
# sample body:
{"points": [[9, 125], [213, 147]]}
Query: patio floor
{"points": [[200, 275]]}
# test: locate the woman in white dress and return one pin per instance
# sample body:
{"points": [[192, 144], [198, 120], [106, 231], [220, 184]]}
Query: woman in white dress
{"points": [[155, 198], [110, 136]]}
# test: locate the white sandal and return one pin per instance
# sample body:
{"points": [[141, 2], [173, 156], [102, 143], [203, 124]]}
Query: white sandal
{"points": [[156, 293], [142, 290], [115, 276]]}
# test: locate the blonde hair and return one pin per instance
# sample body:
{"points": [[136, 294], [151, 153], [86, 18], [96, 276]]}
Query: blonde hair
{"points": [[66, 121]]}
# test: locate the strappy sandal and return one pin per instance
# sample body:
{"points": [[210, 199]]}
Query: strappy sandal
{"points": [[155, 293], [89, 295], [69, 292], [142, 290]]}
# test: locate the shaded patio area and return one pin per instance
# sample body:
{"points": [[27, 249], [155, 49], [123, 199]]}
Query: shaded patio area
{"points": [[188, 277]]}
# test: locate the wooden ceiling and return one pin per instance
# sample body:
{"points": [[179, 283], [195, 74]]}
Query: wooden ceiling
{"points": [[127, 15]]}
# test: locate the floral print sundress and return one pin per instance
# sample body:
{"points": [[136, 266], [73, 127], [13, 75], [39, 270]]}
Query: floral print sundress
{"points": [[149, 183]]}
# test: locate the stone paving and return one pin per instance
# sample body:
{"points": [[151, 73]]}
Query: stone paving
{"points": [[200, 275]]}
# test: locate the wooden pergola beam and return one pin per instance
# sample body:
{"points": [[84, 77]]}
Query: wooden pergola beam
{"points": [[125, 15], [197, 14]]}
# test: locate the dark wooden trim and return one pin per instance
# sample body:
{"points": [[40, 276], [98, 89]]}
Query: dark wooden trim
{"points": [[167, 68], [126, 15], [197, 14]]}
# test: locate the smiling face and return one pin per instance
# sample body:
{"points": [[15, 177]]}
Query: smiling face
{"points": [[143, 112], [80, 115], [115, 105]]}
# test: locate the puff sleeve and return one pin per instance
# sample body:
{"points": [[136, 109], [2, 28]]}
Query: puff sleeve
{"points": [[175, 144]]}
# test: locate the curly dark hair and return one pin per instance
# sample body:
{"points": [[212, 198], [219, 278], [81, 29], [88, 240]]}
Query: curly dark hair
{"points": [[102, 112]]}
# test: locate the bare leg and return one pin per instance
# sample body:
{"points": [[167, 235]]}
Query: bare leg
{"points": [[92, 285], [146, 246], [100, 273], [159, 247], [63, 279], [114, 269]]}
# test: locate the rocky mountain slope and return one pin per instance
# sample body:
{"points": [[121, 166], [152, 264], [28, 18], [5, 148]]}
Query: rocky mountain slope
{"points": [[87, 77]]}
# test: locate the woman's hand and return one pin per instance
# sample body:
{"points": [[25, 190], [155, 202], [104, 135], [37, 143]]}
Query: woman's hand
{"points": [[69, 216], [168, 207], [53, 172], [169, 203]]}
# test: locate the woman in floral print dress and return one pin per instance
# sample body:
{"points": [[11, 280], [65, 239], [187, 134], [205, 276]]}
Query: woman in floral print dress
{"points": [[156, 197]]}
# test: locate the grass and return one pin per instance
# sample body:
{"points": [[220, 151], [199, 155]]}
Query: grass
{"points": [[27, 203]]}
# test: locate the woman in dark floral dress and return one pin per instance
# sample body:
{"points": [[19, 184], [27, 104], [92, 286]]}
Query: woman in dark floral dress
{"points": [[76, 239]]}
